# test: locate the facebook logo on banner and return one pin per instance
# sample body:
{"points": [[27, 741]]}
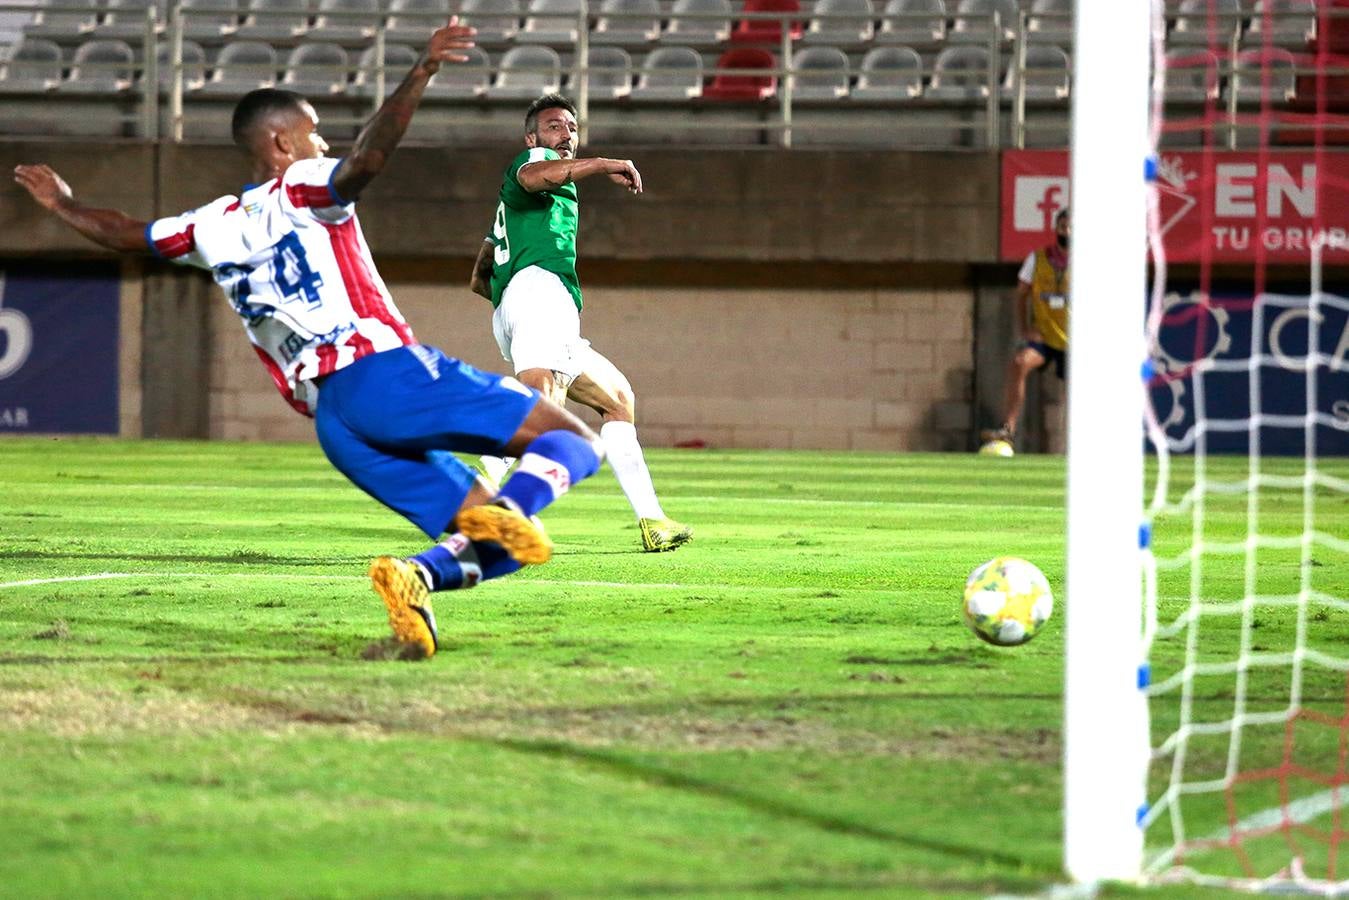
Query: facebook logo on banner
{"points": [[58, 351], [1037, 198]]}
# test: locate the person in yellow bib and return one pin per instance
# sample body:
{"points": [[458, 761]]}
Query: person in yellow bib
{"points": [[1042, 318]]}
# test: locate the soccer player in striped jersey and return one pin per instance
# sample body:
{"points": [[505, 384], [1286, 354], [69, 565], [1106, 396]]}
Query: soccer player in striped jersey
{"points": [[289, 254], [527, 268]]}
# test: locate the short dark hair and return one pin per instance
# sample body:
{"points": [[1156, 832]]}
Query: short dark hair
{"points": [[257, 105], [1060, 216], [547, 101]]}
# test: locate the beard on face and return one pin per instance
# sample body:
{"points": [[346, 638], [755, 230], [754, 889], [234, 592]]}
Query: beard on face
{"points": [[1062, 240]]}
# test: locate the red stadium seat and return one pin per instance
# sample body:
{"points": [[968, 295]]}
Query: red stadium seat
{"points": [[1335, 84], [766, 31], [740, 87]]}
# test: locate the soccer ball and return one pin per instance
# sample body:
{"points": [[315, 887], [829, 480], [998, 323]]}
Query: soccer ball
{"points": [[997, 448], [1007, 601]]}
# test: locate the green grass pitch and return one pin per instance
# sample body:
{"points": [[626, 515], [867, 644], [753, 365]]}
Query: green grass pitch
{"points": [[789, 705]]}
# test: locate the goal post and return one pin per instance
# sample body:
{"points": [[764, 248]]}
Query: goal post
{"points": [[1106, 743]]}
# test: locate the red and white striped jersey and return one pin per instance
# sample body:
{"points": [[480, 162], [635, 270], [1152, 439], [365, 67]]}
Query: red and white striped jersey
{"points": [[293, 262]]}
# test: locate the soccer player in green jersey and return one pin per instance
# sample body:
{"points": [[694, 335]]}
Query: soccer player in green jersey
{"points": [[527, 268]]}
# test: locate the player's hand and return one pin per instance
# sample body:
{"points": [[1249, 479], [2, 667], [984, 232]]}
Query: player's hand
{"points": [[446, 42], [44, 184], [622, 171]]}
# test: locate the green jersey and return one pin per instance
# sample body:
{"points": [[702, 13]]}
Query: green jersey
{"points": [[534, 229]]}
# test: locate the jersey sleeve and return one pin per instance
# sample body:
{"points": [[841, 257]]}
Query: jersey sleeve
{"points": [[1027, 273], [175, 238], [512, 194], [309, 191]]}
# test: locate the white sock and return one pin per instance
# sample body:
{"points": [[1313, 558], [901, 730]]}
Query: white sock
{"points": [[496, 467], [629, 465]]}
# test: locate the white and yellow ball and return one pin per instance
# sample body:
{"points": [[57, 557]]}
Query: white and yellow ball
{"points": [[997, 448], [1007, 601]]}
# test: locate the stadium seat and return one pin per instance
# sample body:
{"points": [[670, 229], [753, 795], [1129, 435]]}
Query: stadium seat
{"points": [[889, 74], [710, 25], [526, 73], [460, 81], [960, 73], [34, 65], [275, 20], [76, 18], [398, 58], [241, 67], [125, 20], [1249, 76], [412, 21], [1206, 23], [346, 20], [100, 67], [551, 22], [496, 20], [210, 27], [317, 70], [1051, 21], [1191, 76], [913, 23], [670, 73], [841, 23], [610, 74], [1333, 29], [819, 73], [733, 85], [194, 65], [974, 21], [1292, 24], [1047, 74], [766, 31], [630, 23]]}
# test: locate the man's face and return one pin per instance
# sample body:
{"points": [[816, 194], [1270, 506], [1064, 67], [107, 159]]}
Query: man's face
{"points": [[1063, 229], [556, 130], [305, 140]]}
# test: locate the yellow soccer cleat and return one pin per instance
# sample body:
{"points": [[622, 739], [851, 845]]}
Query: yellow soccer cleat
{"points": [[520, 537], [659, 535], [408, 601]]}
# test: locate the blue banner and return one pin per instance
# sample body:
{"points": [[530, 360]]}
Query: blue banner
{"points": [[1231, 371], [58, 350]]}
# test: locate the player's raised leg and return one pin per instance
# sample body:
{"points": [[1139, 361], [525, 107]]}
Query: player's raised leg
{"points": [[605, 389], [1026, 360]]}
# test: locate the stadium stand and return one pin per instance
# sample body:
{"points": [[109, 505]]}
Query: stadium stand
{"points": [[610, 74], [213, 25], [397, 57], [101, 67], [1046, 75], [1051, 21], [698, 23], [317, 70], [551, 22], [890, 74], [913, 23], [766, 31], [821, 73], [34, 65], [526, 73], [731, 85], [241, 67], [670, 74], [497, 21], [124, 20], [194, 66], [346, 20], [70, 21], [470, 80], [275, 20], [409, 19], [960, 73], [841, 23], [1191, 76], [974, 21], [1292, 24], [628, 23], [1248, 78], [1206, 23]]}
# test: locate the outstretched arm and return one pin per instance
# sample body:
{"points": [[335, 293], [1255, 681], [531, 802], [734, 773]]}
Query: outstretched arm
{"points": [[480, 282], [109, 227], [551, 174], [382, 133]]}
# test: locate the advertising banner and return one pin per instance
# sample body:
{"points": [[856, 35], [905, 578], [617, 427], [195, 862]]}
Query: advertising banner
{"points": [[58, 350]]}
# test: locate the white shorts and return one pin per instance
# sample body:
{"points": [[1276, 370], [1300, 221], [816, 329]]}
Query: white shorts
{"points": [[538, 326]]}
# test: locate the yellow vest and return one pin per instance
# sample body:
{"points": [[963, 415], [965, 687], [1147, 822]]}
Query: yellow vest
{"points": [[1049, 302]]}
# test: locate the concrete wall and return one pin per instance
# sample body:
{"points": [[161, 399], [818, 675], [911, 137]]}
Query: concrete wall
{"points": [[755, 298]]}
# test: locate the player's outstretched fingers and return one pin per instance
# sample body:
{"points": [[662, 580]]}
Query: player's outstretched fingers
{"points": [[449, 38], [634, 176]]}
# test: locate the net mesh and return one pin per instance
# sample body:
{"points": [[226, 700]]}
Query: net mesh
{"points": [[1246, 558]]}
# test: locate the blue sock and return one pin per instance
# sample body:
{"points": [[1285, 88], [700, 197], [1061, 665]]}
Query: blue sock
{"points": [[448, 566], [552, 463], [494, 561]]}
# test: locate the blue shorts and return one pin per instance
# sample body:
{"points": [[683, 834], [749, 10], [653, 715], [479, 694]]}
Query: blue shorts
{"points": [[389, 421]]}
